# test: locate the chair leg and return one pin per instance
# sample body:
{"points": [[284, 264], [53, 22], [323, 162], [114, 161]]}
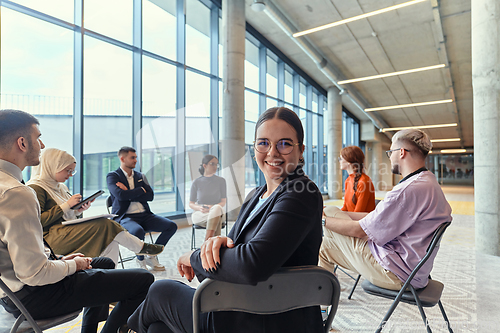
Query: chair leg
{"points": [[193, 238], [151, 237], [121, 259], [354, 287], [335, 269], [390, 311], [445, 316], [420, 309]]}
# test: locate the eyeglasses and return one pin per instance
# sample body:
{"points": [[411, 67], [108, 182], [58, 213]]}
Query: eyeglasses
{"points": [[389, 152], [214, 164], [71, 172], [284, 146], [340, 158]]}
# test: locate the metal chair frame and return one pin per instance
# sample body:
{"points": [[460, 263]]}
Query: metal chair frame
{"points": [[109, 204], [288, 289], [424, 297], [26, 323], [195, 227]]}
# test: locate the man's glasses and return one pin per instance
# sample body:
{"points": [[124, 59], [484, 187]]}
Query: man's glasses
{"points": [[389, 152], [284, 146]]}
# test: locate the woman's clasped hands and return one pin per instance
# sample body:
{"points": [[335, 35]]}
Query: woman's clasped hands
{"points": [[209, 254]]}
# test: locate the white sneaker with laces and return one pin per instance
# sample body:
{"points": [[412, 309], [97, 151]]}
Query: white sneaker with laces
{"points": [[154, 263], [142, 263]]}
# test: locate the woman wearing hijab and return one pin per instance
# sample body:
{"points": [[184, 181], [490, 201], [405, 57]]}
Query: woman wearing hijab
{"points": [[98, 237]]}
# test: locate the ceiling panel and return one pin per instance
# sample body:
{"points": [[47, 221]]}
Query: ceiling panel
{"points": [[398, 40]]}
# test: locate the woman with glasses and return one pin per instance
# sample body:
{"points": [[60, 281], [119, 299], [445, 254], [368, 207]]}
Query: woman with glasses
{"points": [[94, 238], [359, 190], [279, 225], [208, 197]]}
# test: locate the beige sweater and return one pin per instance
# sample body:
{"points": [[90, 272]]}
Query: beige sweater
{"points": [[23, 257]]}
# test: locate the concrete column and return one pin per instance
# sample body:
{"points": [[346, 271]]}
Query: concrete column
{"points": [[485, 25], [233, 103], [375, 161], [334, 142]]}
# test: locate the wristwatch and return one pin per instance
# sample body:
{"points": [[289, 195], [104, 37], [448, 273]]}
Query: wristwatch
{"points": [[323, 221]]}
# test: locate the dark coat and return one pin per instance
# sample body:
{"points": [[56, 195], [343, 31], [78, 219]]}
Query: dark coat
{"points": [[285, 231], [121, 199]]}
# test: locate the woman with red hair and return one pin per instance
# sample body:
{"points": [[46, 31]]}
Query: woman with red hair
{"points": [[359, 189]]}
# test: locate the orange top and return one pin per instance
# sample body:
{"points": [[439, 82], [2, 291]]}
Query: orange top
{"points": [[365, 195]]}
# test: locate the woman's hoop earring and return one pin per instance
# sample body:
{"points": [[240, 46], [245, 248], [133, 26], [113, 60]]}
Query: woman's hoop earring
{"points": [[254, 158]]}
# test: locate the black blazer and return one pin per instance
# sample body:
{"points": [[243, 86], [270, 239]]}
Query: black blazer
{"points": [[121, 199], [285, 231]]}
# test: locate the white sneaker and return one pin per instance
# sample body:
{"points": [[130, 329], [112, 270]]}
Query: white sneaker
{"points": [[142, 264], [154, 263]]}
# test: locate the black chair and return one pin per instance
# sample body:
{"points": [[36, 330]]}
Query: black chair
{"points": [[109, 204], [26, 323], [288, 289], [424, 297], [356, 279], [195, 227]]}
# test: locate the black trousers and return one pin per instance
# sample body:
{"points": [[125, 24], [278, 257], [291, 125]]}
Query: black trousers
{"points": [[167, 308], [93, 289]]}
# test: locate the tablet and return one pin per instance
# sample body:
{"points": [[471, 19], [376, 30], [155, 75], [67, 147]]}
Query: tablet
{"points": [[84, 201]]}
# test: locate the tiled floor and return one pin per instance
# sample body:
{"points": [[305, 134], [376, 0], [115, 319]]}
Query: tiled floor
{"points": [[470, 296]]}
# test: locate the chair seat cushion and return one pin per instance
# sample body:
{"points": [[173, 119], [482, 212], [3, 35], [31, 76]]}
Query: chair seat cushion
{"points": [[429, 296]]}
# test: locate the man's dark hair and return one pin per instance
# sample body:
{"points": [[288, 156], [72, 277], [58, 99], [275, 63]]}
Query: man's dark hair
{"points": [[15, 124], [125, 150]]}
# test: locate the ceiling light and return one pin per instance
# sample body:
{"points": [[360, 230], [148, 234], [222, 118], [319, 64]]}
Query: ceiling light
{"points": [[258, 6], [408, 71], [451, 151], [408, 105], [389, 129], [446, 140], [355, 18]]}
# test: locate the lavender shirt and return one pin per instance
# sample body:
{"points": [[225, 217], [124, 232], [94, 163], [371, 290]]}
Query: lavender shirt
{"points": [[402, 225]]}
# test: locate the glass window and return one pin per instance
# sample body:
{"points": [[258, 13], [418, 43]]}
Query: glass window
{"points": [[271, 102], [39, 76], [315, 107], [197, 35], [303, 119], [221, 49], [62, 9], [198, 130], [158, 131], [251, 65], [288, 87], [302, 95], [107, 110], [314, 169], [272, 77], [102, 17], [159, 27], [251, 108]]}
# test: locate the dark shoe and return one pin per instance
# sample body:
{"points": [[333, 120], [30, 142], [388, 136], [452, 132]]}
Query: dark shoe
{"points": [[151, 249]]}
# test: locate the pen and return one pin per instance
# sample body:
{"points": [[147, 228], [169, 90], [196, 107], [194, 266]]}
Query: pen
{"points": [[69, 194]]}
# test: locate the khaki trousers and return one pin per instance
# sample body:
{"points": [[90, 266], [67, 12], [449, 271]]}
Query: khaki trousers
{"points": [[211, 220], [353, 254]]}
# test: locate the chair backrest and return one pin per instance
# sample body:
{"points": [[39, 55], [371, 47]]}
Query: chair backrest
{"points": [[36, 326], [20, 306], [109, 203], [436, 239], [288, 289]]}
